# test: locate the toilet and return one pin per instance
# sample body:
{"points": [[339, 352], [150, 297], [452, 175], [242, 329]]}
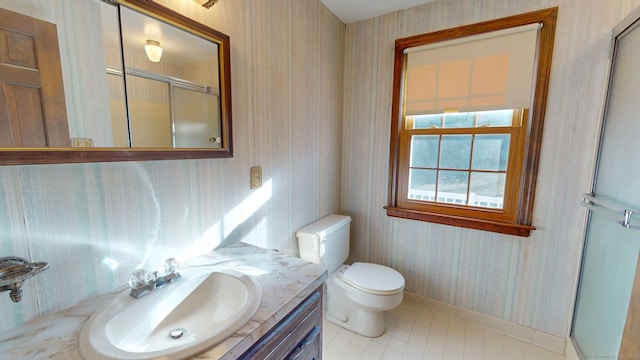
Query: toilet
{"points": [[357, 295]]}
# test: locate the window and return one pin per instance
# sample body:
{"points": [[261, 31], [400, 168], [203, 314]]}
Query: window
{"points": [[468, 109], [462, 159]]}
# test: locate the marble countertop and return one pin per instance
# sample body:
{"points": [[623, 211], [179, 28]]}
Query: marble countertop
{"points": [[286, 281]]}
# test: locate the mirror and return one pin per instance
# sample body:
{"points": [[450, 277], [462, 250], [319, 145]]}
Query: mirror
{"points": [[176, 108]]}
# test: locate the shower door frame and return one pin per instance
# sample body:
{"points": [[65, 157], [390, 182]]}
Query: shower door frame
{"points": [[631, 333]]}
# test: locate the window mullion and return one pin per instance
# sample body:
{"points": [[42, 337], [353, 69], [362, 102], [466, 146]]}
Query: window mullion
{"points": [[473, 142], [438, 167]]}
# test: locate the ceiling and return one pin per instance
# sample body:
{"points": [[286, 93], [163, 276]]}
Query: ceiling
{"points": [[354, 10]]}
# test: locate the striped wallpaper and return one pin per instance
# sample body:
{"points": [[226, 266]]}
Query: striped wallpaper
{"points": [[311, 105], [95, 223], [528, 281]]}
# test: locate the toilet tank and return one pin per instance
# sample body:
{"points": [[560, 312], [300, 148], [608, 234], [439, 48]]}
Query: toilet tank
{"points": [[325, 241]]}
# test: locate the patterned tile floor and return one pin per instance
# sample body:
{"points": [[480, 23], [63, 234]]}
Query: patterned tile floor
{"points": [[417, 334]]}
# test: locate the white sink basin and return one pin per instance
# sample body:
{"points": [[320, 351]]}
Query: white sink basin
{"points": [[176, 321]]}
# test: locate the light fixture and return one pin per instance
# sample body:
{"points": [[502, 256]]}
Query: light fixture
{"points": [[206, 3], [153, 50]]}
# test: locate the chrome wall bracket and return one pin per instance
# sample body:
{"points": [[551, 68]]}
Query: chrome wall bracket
{"points": [[14, 271]]}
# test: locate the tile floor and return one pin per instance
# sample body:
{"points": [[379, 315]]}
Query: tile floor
{"points": [[413, 333]]}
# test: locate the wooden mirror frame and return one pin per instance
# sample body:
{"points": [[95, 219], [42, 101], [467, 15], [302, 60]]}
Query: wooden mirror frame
{"points": [[22, 156]]}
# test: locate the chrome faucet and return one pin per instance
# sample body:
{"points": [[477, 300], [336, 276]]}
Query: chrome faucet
{"points": [[143, 283]]}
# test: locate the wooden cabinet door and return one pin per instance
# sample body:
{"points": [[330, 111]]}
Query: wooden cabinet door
{"points": [[32, 103], [296, 337]]}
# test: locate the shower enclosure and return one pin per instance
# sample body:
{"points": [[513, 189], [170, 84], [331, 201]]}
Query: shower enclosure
{"points": [[607, 298]]}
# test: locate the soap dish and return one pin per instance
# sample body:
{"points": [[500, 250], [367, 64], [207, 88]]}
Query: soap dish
{"points": [[14, 270]]}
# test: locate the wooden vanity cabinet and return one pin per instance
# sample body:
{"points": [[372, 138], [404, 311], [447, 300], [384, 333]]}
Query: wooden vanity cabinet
{"points": [[296, 337]]}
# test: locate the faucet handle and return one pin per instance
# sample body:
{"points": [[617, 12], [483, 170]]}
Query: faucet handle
{"points": [[139, 278], [171, 266]]}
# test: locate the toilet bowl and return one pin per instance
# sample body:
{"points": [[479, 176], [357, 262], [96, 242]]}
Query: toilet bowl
{"points": [[357, 294], [357, 302]]}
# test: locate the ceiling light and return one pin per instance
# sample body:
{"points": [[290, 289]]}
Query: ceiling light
{"points": [[153, 50], [206, 3]]}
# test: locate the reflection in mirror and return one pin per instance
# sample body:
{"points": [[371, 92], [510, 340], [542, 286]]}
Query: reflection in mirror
{"points": [[172, 84], [32, 107], [119, 136], [185, 102]]}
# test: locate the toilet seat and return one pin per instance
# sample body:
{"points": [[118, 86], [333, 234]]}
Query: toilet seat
{"points": [[373, 278]]}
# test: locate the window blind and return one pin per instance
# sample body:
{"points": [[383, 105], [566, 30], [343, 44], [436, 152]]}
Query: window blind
{"points": [[488, 71]]}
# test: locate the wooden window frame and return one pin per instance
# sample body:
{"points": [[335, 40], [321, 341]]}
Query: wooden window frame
{"points": [[516, 148], [516, 220]]}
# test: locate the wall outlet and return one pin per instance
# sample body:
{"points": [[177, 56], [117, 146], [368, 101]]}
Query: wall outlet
{"points": [[256, 177]]}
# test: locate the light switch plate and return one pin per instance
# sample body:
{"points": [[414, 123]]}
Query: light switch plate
{"points": [[256, 177]]}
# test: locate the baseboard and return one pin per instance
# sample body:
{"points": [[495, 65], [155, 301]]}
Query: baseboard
{"points": [[532, 336], [571, 353]]}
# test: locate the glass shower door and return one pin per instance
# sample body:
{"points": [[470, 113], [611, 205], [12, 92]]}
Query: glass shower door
{"points": [[196, 119], [612, 240]]}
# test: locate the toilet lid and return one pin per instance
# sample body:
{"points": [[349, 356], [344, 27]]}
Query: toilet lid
{"points": [[374, 278]]}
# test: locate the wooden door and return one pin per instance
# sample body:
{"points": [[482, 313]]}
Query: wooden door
{"points": [[32, 103], [630, 348]]}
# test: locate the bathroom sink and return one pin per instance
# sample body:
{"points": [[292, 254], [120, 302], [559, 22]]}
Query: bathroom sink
{"points": [[179, 320]]}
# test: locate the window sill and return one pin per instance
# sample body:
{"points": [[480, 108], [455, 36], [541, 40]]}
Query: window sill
{"points": [[469, 223]]}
